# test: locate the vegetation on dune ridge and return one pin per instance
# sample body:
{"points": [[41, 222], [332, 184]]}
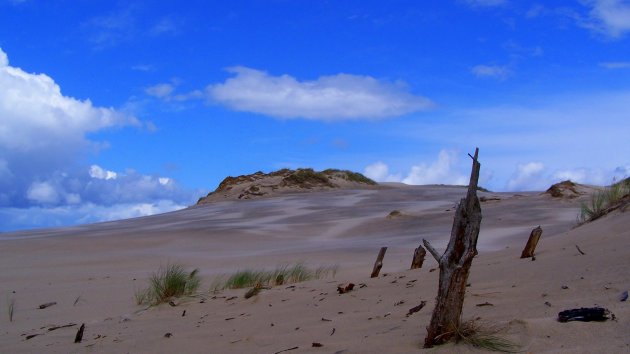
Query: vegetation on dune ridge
{"points": [[307, 176], [301, 177], [605, 200], [168, 282], [283, 274]]}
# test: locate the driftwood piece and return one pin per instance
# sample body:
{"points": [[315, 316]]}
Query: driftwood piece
{"points": [[416, 308], [379, 263], [54, 328], [530, 247], [418, 257], [455, 264], [342, 289], [79, 337]]}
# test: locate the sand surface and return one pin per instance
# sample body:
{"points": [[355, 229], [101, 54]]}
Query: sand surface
{"points": [[92, 272]]}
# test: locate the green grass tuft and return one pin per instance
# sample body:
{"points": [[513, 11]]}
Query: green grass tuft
{"points": [[283, 274], [168, 282], [602, 200], [485, 336], [307, 177]]}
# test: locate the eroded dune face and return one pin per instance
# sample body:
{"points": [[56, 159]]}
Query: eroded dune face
{"points": [[102, 265]]}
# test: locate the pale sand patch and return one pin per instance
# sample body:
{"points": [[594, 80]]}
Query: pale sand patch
{"points": [[98, 264]]}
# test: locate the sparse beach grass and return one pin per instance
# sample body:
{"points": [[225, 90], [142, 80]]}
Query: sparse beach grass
{"points": [[283, 274], [485, 336], [168, 282], [601, 201]]}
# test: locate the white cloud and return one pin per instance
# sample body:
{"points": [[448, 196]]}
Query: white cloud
{"points": [[379, 172], [42, 193], [341, 96], [160, 90], [445, 170], [42, 144], [98, 172], [439, 172], [615, 64], [36, 116], [528, 176], [42, 131], [610, 17], [534, 176], [493, 71], [73, 214]]}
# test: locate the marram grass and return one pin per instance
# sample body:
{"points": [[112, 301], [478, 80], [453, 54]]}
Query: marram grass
{"points": [[602, 200], [168, 282], [283, 274]]}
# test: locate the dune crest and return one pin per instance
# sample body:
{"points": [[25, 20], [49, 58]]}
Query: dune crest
{"points": [[285, 181]]}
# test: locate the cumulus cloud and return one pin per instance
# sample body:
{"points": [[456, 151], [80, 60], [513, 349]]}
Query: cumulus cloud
{"points": [[445, 170], [43, 143], [42, 193], [379, 172], [609, 17], [100, 173], [492, 71], [336, 97], [440, 172]]}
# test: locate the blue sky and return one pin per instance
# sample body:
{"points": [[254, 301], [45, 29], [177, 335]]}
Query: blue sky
{"points": [[114, 109]]}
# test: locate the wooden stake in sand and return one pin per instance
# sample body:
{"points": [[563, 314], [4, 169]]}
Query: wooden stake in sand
{"points": [[455, 264], [79, 337], [379, 263], [530, 247], [418, 257]]}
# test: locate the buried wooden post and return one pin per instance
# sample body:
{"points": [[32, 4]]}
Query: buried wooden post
{"points": [[418, 257], [530, 247], [455, 264], [379, 263]]}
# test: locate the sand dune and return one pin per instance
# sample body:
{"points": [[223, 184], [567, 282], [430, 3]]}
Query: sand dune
{"points": [[92, 271]]}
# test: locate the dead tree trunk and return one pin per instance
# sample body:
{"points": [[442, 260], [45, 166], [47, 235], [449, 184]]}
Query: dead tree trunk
{"points": [[455, 264], [418, 257], [530, 247], [379, 263]]}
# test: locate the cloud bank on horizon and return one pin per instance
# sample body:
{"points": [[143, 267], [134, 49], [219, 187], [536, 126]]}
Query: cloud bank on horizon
{"points": [[400, 94]]}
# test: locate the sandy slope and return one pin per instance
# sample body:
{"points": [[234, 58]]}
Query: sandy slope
{"points": [[101, 265]]}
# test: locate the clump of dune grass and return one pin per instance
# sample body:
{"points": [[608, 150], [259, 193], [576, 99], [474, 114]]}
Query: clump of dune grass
{"points": [[168, 282], [10, 308], [283, 274], [604, 200], [485, 336]]}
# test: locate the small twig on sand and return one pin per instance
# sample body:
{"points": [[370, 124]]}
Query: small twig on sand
{"points": [[286, 350], [579, 250]]}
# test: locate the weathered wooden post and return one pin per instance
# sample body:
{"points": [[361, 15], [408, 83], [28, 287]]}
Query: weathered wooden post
{"points": [[379, 263], [455, 264], [418, 257], [530, 247]]}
